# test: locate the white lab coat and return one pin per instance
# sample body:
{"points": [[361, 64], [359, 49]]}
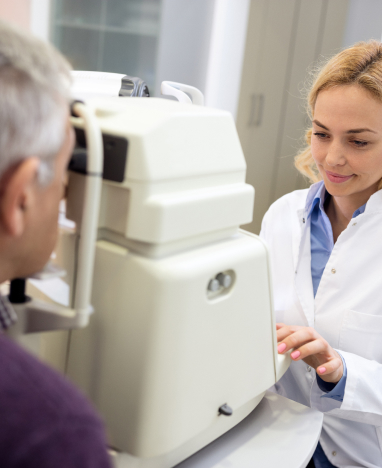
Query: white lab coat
{"points": [[347, 312]]}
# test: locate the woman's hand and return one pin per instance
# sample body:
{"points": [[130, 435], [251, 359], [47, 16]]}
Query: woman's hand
{"points": [[309, 346]]}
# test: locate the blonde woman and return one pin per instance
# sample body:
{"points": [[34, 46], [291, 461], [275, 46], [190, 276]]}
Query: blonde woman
{"points": [[326, 254]]}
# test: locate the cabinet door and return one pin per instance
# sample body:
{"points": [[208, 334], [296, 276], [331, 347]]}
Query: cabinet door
{"points": [[330, 41], [249, 90], [284, 40], [307, 43], [267, 60]]}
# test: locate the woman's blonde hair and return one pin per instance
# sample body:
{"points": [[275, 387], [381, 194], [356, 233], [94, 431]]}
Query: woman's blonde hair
{"points": [[360, 64]]}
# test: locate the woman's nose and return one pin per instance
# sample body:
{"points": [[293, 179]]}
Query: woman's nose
{"points": [[335, 155]]}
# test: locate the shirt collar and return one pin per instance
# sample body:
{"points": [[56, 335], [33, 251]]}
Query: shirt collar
{"points": [[360, 210], [316, 194], [7, 315]]}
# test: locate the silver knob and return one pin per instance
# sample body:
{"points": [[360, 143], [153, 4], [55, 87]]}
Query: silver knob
{"points": [[224, 280], [213, 285]]}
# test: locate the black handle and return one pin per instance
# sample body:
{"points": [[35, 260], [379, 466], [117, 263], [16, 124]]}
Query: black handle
{"points": [[17, 291]]}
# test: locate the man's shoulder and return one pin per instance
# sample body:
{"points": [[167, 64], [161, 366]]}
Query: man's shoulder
{"points": [[38, 405], [22, 375]]}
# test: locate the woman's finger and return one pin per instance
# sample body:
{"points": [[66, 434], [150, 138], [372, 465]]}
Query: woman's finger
{"points": [[331, 371], [306, 344], [286, 334], [286, 331], [312, 348]]}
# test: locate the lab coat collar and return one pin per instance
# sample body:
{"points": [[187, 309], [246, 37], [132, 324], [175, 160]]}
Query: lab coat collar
{"points": [[374, 204], [303, 274], [303, 212], [301, 250]]}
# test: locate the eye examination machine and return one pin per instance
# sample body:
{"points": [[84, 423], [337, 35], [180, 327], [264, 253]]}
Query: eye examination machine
{"points": [[169, 302]]}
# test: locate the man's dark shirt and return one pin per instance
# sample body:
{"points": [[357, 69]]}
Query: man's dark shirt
{"points": [[44, 421]]}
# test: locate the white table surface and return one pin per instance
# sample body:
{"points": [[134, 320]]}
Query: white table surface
{"points": [[278, 433]]}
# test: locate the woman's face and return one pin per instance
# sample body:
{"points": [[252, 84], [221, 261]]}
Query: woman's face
{"points": [[347, 141]]}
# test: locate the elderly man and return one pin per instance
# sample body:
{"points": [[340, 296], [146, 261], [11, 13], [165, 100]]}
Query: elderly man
{"points": [[44, 421]]}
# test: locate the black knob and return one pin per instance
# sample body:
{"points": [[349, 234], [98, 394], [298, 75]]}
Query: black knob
{"points": [[17, 291], [225, 410]]}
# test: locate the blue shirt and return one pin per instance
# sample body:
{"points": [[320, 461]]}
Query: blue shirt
{"points": [[321, 246], [321, 235]]}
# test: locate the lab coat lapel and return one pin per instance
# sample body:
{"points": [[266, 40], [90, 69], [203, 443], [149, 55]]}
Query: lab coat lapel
{"points": [[303, 274]]}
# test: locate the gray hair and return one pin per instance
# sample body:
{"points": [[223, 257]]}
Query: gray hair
{"points": [[34, 97]]}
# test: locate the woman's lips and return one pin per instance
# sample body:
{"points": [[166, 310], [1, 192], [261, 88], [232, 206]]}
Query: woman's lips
{"points": [[337, 178]]}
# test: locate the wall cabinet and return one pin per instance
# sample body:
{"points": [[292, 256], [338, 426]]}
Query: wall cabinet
{"points": [[284, 39]]}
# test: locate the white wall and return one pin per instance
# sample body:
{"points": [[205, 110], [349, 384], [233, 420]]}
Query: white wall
{"points": [[364, 21], [32, 15], [202, 44], [226, 54], [39, 18], [16, 12], [183, 50]]}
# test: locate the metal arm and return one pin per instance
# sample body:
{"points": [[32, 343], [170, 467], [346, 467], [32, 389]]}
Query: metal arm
{"points": [[35, 315]]}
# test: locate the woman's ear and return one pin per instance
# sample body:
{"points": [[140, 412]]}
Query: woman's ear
{"points": [[17, 195]]}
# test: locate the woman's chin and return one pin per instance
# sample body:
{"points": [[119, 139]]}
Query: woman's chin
{"points": [[348, 187]]}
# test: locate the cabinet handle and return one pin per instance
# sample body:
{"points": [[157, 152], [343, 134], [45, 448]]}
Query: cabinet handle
{"points": [[257, 106], [253, 110], [260, 108]]}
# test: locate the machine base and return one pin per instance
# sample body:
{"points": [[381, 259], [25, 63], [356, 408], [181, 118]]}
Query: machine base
{"points": [[265, 438], [125, 460]]}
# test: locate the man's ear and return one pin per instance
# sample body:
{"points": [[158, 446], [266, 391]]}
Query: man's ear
{"points": [[18, 195]]}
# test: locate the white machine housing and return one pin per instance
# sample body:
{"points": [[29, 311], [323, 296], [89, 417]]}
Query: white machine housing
{"points": [[168, 344]]}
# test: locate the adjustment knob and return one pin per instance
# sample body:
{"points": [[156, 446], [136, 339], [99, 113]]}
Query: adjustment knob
{"points": [[224, 279], [213, 285], [225, 410]]}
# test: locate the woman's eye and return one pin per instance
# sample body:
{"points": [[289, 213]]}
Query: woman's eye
{"points": [[359, 143], [320, 135]]}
